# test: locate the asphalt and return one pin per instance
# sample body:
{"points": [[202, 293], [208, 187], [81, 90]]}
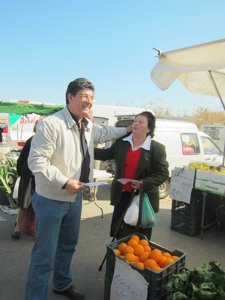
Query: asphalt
{"points": [[94, 237]]}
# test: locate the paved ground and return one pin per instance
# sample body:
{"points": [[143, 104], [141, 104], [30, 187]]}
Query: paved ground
{"points": [[14, 255]]}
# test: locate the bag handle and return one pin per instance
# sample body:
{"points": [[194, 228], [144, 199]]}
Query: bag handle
{"points": [[141, 195]]}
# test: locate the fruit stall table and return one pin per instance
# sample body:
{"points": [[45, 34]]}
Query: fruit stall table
{"points": [[198, 196]]}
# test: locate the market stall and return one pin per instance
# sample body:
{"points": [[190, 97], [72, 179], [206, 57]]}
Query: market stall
{"points": [[24, 108], [201, 69], [198, 197]]}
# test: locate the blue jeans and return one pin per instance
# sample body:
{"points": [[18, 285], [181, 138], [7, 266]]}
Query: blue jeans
{"points": [[56, 236]]}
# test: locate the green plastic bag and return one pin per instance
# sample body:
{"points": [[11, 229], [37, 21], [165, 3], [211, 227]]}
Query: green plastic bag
{"points": [[148, 216]]}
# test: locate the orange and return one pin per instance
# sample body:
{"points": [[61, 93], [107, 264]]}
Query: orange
{"points": [[131, 257], [156, 254], [136, 237], [144, 242], [117, 251], [150, 263], [138, 264], [167, 254], [122, 246], [132, 242], [169, 261], [162, 261], [156, 268], [174, 257], [138, 249], [144, 256], [148, 249], [122, 257], [127, 249]]}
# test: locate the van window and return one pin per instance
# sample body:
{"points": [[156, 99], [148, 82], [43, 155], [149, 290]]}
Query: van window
{"points": [[190, 144], [209, 147], [124, 123], [214, 133]]}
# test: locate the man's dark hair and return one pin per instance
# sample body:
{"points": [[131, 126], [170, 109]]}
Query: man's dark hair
{"points": [[151, 121], [78, 84]]}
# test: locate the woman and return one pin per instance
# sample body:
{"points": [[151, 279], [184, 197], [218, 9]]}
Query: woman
{"points": [[26, 187], [143, 161]]}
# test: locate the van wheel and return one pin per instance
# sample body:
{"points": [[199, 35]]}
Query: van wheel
{"points": [[164, 189]]}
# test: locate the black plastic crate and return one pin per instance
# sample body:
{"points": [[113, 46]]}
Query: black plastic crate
{"points": [[221, 217], [195, 206], [187, 224], [157, 279], [186, 218]]}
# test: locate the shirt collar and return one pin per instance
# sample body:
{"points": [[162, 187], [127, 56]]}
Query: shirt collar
{"points": [[84, 122], [146, 145]]}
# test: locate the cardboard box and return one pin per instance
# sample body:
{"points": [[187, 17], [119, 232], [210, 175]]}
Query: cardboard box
{"points": [[210, 182], [181, 185]]}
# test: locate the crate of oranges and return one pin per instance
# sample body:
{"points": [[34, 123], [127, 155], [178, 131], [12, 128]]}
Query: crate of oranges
{"points": [[153, 261]]}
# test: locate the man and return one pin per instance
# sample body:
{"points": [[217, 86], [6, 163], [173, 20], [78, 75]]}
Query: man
{"points": [[61, 158]]}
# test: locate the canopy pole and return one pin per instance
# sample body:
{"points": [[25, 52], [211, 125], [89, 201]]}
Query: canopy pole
{"points": [[216, 88]]}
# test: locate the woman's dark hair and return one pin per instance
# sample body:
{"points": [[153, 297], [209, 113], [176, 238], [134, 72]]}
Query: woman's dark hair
{"points": [[151, 121], [78, 84]]}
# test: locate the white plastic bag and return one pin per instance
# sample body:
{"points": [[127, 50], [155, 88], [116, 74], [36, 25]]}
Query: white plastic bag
{"points": [[132, 213], [16, 189]]}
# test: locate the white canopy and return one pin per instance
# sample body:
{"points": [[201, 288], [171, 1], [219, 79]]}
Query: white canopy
{"points": [[201, 69]]}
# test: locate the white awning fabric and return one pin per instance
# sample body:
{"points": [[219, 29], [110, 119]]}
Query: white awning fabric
{"points": [[200, 68]]}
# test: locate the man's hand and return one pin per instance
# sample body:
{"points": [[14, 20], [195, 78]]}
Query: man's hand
{"points": [[74, 186], [129, 129], [89, 115]]}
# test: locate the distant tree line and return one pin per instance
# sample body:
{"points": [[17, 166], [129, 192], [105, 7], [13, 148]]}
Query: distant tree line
{"points": [[206, 116], [200, 116]]}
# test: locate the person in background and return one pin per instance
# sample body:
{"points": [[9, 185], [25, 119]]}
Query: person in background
{"points": [[61, 159], [1, 132], [26, 186], [141, 160]]}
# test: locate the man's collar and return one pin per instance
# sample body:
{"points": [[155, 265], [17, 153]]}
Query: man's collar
{"points": [[82, 123]]}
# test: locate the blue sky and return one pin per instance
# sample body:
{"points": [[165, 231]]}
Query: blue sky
{"points": [[45, 44]]}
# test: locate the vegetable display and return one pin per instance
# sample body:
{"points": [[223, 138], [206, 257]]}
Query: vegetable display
{"points": [[206, 282], [8, 175]]}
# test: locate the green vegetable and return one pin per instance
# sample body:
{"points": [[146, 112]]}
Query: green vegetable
{"points": [[206, 282], [8, 175]]}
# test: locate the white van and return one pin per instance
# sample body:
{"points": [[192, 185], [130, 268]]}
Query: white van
{"points": [[216, 131], [184, 144]]}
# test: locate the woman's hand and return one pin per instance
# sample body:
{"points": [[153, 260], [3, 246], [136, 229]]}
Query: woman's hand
{"points": [[136, 185]]}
